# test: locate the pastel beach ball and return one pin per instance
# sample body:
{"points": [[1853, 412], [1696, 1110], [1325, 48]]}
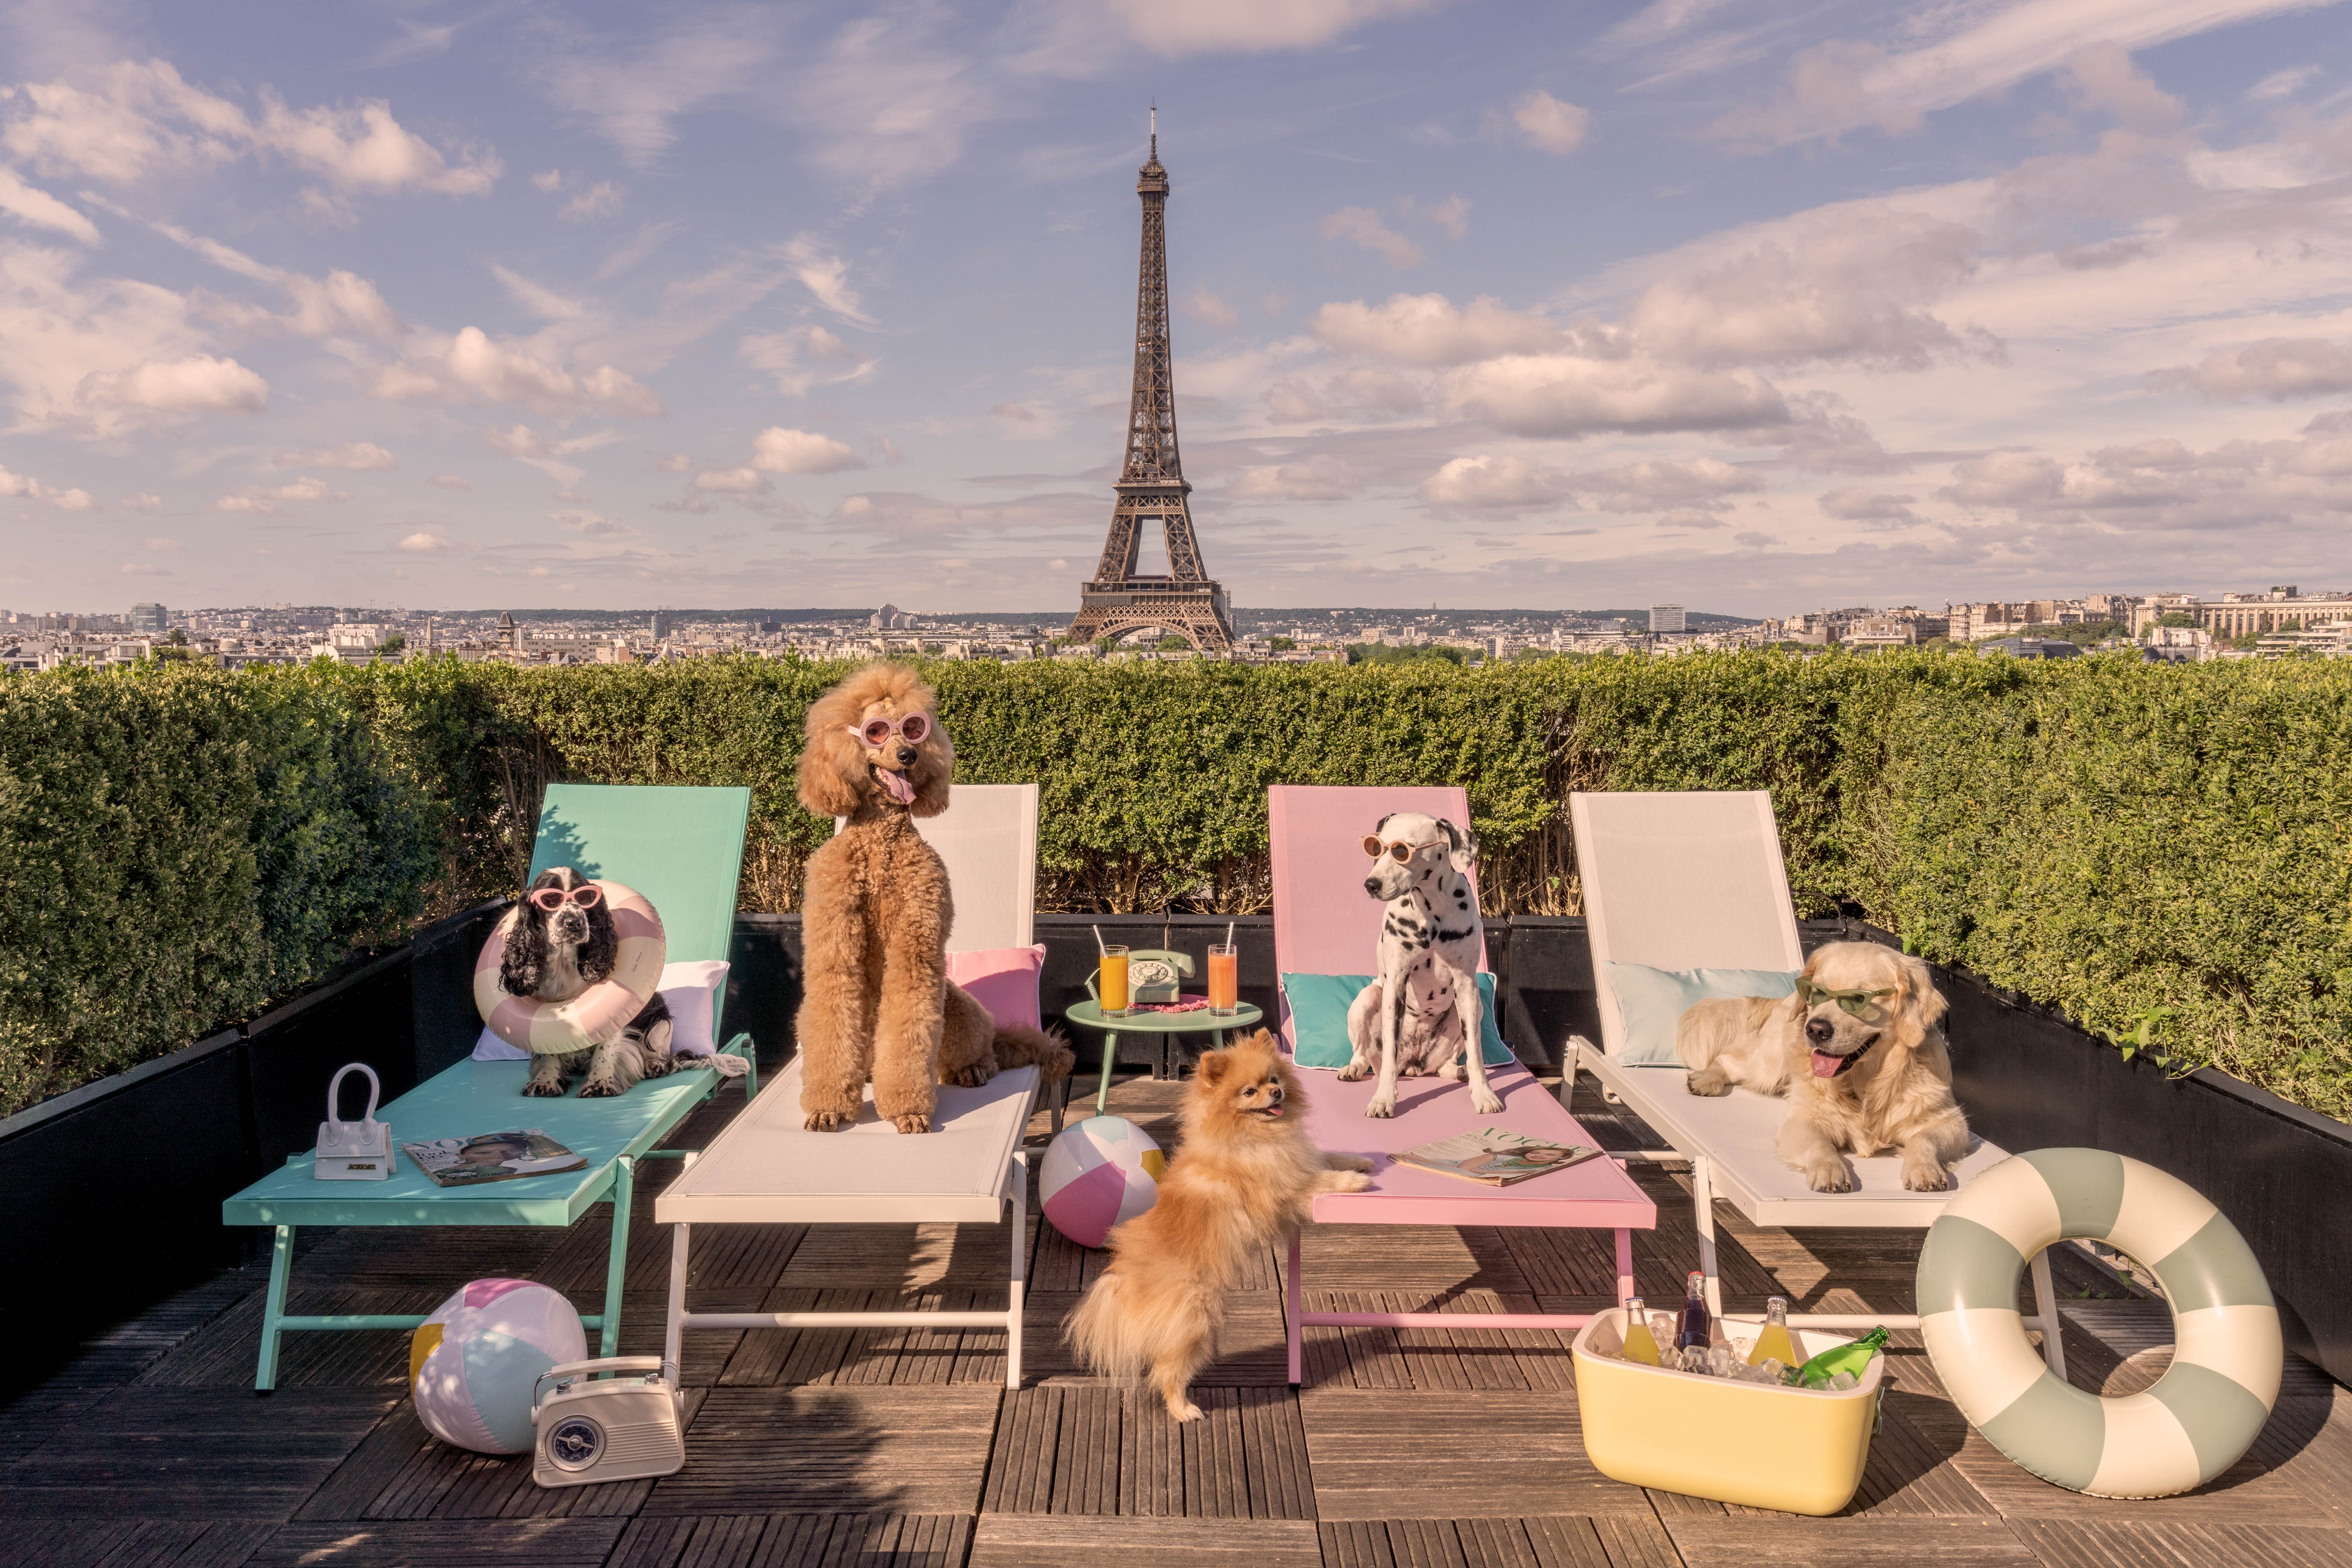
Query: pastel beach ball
{"points": [[472, 1364], [1104, 1170]]}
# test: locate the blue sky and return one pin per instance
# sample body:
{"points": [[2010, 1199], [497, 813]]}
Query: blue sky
{"points": [[1756, 306]]}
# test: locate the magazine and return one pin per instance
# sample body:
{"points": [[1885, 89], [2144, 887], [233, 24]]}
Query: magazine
{"points": [[1494, 1155], [492, 1157]]}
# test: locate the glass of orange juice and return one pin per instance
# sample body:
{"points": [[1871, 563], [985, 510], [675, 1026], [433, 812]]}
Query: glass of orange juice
{"points": [[1225, 990], [1112, 980]]}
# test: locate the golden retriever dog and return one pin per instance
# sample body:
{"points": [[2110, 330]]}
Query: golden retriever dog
{"points": [[1244, 1174], [1858, 1050], [876, 1002]]}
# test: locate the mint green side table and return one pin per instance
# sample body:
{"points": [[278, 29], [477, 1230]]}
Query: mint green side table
{"points": [[1199, 1021]]}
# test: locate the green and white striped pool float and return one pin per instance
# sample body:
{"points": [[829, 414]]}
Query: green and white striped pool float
{"points": [[2200, 1416]]}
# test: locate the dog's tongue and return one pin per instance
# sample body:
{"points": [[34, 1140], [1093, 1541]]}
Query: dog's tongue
{"points": [[1826, 1065], [900, 789]]}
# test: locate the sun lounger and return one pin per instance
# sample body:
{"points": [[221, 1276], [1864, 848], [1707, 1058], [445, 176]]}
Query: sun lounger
{"points": [[683, 849], [1325, 924], [767, 1169], [1691, 880]]}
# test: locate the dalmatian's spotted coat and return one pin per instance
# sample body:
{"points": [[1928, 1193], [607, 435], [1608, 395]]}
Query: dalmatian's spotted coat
{"points": [[1415, 1018]]}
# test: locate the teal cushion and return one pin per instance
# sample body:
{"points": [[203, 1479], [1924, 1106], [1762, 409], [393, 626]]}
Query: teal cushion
{"points": [[1319, 1018], [1650, 1002]]}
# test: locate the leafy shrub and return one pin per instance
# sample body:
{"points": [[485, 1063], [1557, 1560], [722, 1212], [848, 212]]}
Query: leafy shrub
{"points": [[2164, 851]]}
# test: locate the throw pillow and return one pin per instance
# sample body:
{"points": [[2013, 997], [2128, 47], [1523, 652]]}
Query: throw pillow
{"points": [[1650, 1002], [1319, 1018], [1002, 980]]}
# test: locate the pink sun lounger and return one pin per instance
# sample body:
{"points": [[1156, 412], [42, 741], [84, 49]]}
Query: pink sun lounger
{"points": [[1325, 924]]}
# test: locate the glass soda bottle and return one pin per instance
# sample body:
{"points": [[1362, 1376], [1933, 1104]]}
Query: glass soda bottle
{"points": [[1639, 1345], [1854, 1358], [1773, 1342], [1693, 1330]]}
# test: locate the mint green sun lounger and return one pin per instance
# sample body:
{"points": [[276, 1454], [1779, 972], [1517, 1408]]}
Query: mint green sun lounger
{"points": [[683, 850]]}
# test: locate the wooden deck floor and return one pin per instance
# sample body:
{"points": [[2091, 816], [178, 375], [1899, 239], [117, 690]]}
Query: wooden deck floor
{"points": [[901, 1446]]}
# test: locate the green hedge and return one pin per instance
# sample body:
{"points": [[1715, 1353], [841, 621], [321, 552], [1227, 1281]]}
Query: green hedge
{"points": [[2161, 851]]}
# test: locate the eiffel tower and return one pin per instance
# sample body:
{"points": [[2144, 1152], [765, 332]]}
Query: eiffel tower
{"points": [[1151, 487]]}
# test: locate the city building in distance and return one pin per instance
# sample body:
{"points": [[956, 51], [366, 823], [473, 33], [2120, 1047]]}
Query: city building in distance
{"points": [[1665, 618]]}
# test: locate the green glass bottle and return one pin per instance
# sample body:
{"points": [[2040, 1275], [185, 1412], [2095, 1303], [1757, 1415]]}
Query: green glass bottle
{"points": [[1854, 1358]]}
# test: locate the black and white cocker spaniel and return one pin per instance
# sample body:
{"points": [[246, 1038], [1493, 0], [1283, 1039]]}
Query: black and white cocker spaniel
{"points": [[564, 942]]}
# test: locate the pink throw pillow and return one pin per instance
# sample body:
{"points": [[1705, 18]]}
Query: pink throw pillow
{"points": [[1004, 981]]}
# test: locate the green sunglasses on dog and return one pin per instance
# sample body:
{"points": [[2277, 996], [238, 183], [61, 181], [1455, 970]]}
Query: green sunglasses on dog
{"points": [[1856, 1003]]}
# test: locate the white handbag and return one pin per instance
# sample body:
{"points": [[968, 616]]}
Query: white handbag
{"points": [[354, 1150]]}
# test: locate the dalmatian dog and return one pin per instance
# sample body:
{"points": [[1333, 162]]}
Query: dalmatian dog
{"points": [[1420, 1015]]}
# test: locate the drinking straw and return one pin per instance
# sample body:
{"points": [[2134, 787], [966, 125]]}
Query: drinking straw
{"points": [[1229, 932], [1099, 949]]}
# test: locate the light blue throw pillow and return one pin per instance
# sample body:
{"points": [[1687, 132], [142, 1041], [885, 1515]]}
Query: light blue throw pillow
{"points": [[1319, 1018], [1650, 1002]]}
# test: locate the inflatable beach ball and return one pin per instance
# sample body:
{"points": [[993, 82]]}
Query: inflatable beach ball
{"points": [[1102, 1170], [471, 1363]]}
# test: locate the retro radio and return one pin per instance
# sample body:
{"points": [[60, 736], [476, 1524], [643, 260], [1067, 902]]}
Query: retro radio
{"points": [[606, 1429]]}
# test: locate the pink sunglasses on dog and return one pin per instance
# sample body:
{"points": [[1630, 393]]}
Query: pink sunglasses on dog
{"points": [[875, 731], [588, 895]]}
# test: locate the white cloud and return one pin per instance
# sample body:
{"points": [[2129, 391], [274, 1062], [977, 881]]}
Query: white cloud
{"points": [[451, 482], [424, 544], [777, 450], [265, 500], [2275, 368], [731, 482], [1661, 484], [633, 94], [356, 455], [1846, 85], [1362, 227], [595, 525], [142, 501], [598, 199], [2005, 479], [199, 383], [1852, 282], [136, 120], [142, 569], [1210, 310], [31, 204], [673, 462], [1252, 26], [161, 546], [20, 486], [826, 278], [1548, 124], [1494, 486], [1428, 330], [2103, 78], [1452, 215], [469, 368], [805, 357], [1567, 395], [1859, 503], [1322, 476], [550, 180]]}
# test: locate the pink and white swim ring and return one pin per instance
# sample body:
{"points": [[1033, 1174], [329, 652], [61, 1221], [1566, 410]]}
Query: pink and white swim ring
{"points": [[597, 1014]]}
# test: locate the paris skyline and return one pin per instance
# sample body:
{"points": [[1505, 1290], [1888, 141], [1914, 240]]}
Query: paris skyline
{"points": [[1699, 301]]}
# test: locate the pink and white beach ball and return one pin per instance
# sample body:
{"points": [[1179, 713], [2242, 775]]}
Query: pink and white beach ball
{"points": [[472, 1364], [1102, 1170]]}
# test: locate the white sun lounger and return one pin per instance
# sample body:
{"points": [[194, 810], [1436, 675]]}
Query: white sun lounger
{"points": [[766, 1169], [1695, 879]]}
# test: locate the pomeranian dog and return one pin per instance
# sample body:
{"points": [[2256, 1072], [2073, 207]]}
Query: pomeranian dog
{"points": [[1244, 1174]]}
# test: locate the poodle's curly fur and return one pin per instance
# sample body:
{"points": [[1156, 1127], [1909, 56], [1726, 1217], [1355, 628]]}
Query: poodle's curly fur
{"points": [[875, 920]]}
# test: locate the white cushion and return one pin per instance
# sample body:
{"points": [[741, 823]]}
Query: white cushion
{"points": [[692, 990]]}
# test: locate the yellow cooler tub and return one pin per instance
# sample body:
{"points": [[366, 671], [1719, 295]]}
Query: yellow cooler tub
{"points": [[1795, 1449]]}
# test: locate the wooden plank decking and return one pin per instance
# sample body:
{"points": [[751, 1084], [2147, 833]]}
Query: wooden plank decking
{"points": [[899, 1447]]}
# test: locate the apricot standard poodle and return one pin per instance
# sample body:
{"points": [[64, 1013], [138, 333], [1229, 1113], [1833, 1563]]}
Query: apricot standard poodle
{"points": [[876, 916]]}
